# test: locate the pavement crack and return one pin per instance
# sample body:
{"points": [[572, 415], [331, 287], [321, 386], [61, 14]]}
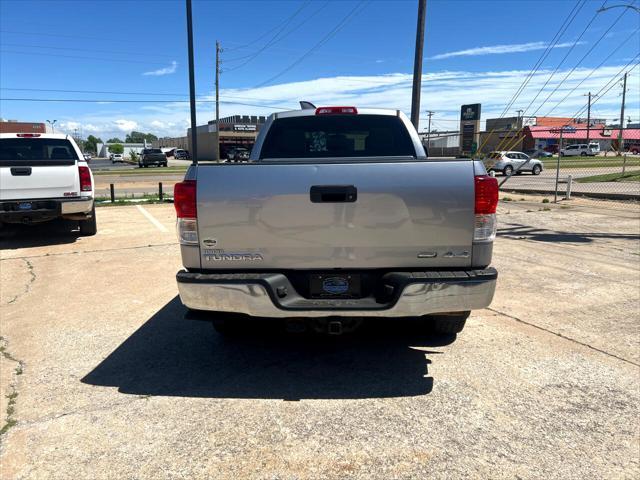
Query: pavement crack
{"points": [[564, 337], [61, 254], [27, 287], [12, 390], [82, 411]]}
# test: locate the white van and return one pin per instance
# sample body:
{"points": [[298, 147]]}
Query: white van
{"points": [[581, 149]]}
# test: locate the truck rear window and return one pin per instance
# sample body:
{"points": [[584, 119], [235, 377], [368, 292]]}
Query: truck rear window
{"points": [[36, 152], [331, 136]]}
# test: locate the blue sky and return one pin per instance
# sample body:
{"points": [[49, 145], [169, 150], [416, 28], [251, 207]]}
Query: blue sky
{"points": [[328, 52]]}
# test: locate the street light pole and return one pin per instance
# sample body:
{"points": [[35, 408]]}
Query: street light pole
{"points": [[52, 123], [632, 7]]}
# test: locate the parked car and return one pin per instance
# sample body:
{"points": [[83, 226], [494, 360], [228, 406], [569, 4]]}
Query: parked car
{"points": [[538, 153], [180, 154], [44, 177], [581, 149], [340, 226], [632, 146], [152, 156], [509, 162], [87, 156], [238, 154], [551, 148], [116, 157]]}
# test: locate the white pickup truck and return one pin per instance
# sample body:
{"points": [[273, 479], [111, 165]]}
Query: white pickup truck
{"points": [[44, 177], [338, 215]]}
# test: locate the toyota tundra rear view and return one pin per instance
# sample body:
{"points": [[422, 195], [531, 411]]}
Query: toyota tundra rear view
{"points": [[338, 213]]}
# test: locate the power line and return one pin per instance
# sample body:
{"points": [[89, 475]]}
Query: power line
{"points": [[506, 139], [99, 59], [313, 14], [593, 70], [322, 41], [44, 34], [575, 66], [111, 92], [556, 38], [82, 100], [563, 28], [273, 40], [233, 49], [115, 52]]}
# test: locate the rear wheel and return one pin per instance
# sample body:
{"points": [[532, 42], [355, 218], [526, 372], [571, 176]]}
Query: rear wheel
{"points": [[536, 170], [508, 170], [89, 227], [448, 323]]}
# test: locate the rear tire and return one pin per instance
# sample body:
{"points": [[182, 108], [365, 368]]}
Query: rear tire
{"points": [[508, 171], [89, 227], [536, 170], [448, 324]]}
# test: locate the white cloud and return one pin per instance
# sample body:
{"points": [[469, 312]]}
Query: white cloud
{"points": [[125, 125], [501, 49], [442, 92], [164, 71]]}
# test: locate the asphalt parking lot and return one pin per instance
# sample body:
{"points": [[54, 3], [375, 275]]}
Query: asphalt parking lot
{"points": [[102, 378]]}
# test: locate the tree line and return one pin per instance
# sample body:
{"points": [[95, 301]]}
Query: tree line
{"points": [[91, 143]]}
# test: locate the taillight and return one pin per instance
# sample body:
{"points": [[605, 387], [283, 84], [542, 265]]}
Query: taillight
{"points": [[486, 194], [486, 202], [85, 179], [336, 111], [184, 200]]}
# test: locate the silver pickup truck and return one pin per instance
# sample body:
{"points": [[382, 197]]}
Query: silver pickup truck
{"points": [[338, 215]]}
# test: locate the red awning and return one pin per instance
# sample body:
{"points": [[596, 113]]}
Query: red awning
{"points": [[580, 133]]}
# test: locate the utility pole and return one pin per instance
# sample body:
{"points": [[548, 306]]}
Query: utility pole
{"points": [[588, 117], [192, 87], [555, 195], [624, 94], [218, 50], [429, 128], [417, 64]]}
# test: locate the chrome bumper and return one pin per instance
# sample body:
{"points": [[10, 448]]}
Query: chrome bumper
{"points": [[255, 296], [83, 205]]}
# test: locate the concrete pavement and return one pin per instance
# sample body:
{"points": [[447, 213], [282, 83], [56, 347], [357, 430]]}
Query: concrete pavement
{"points": [[108, 381]]}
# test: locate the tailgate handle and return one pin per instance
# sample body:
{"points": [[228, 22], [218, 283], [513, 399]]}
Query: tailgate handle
{"points": [[20, 171], [333, 194]]}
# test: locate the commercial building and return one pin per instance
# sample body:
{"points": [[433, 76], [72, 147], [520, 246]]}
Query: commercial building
{"points": [[548, 138], [234, 131], [523, 133], [103, 149], [13, 126]]}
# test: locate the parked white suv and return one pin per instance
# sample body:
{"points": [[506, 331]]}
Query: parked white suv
{"points": [[44, 177], [581, 149]]}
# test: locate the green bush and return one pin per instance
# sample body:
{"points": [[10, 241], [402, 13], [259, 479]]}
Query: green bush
{"points": [[116, 148]]}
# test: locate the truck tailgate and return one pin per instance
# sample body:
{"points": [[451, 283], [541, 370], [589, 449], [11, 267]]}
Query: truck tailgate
{"points": [[39, 182], [270, 216]]}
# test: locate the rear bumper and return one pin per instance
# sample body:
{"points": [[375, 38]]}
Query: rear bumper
{"points": [[43, 209], [410, 294]]}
